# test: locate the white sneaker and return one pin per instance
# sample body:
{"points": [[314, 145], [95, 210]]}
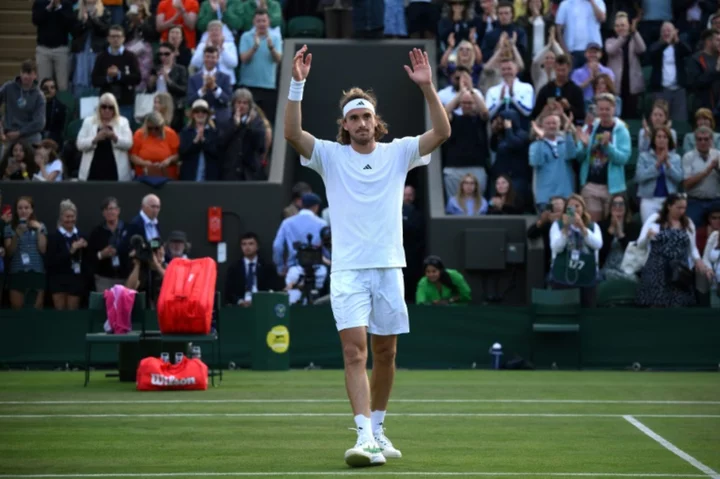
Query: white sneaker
{"points": [[388, 450], [365, 453]]}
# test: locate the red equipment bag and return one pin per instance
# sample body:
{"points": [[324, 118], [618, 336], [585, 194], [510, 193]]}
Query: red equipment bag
{"points": [[155, 375], [185, 304]]}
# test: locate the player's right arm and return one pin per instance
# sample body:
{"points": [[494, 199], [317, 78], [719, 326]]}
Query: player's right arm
{"points": [[302, 141]]}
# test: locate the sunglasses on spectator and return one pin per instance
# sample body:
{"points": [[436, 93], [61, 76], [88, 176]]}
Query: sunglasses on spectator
{"points": [[107, 107]]}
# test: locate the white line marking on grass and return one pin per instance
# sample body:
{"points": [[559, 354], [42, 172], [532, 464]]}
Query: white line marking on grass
{"points": [[343, 401], [672, 448], [319, 414], [349, 473]]}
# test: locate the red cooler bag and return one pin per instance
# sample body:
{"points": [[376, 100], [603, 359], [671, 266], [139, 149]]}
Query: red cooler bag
{"points": [[185, 305], [155, 375]]}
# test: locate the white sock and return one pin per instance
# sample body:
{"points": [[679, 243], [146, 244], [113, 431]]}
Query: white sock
{"points": [[364, 426], [378, 417]]}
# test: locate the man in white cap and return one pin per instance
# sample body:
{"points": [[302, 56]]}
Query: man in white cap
{"points": [[364, 181]]}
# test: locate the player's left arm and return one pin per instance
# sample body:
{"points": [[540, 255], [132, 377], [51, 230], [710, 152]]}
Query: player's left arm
{"points": [[421, 74]]}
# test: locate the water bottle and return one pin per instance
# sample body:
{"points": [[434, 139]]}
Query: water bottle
{"points": [[165, 357], [196, 353], [495, 353], [178, 358]]}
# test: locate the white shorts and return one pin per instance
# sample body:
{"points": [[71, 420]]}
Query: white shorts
{"points": [[374, 298]]}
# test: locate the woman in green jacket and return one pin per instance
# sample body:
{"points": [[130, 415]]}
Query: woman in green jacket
{"points": [[441, 285]]}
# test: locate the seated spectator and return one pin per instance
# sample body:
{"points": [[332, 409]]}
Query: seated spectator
{"points": [[457, 18], [511, 94], [171, 78], [509, 143], [104, 141], [242, 144], [505, 201], [147, 276], [659, 117], [575, 243], [603, 155], [48, 162], [669, 76], [25, 245], [604, 84], [703, 117], [139, 22], [485, 17], [670, 237], [302, 287], [539, 26], [712, 224], [618, 229], [107, 265], [469, 199], [560, 95], [491, 74], [701, 72], [177, 246], [178, 12], [24, 106], [89, 35], [155, 149], [625, 52], [551, 155], [702, 176], [552, 212], [226, 11], [505, 15], [227, 51], [213, 86], [441, 286], [163, 103], [249, 274], [176, 38], [66, 260], [584, 76], [466, 55], [542, 67], [117, 71], [55, 112], [199, 142], [659, 173], [18, 163]]}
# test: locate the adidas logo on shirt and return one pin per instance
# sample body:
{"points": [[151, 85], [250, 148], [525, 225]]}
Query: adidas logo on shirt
{"points": [[367, 167]]}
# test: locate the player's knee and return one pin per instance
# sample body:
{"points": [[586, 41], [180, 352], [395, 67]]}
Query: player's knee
{"points": [[384, 353], [354, 354]]}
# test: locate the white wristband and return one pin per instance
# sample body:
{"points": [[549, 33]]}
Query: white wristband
{"points": [[296, 90]]}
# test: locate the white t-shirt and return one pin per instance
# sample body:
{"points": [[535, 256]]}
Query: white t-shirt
{"points": [[365, 194], [52, 167]]}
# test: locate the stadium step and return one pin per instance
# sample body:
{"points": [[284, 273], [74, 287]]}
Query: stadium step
{"points": [[16, 21], [8, 70], [16, 5], [17, 36]]}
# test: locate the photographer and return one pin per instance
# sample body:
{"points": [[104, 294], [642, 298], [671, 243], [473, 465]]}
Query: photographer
{"points": [[299, 284], [148, 268]]}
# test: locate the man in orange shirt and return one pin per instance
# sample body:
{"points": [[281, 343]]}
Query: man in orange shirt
{"points": [[178, 12]]}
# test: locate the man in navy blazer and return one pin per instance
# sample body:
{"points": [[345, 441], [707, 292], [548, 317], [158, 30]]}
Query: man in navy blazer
{"points": [[238, 285], [145, 224], [211, 85]]}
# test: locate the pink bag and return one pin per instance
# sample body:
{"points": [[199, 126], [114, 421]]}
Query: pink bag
{"points": [[119, 302]]}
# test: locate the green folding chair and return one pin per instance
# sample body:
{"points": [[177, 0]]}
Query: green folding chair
{"points": [[556, 312], [72, 130], [614, 293], [305, 27]]}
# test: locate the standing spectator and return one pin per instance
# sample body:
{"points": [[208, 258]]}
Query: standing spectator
{"points": [[178, 12], [296, 229], [49, 165], [54, 20], [670, 237], [659, 172], [212, 86], [18, 163], [603, 155], [24, 106], [422, 19], [249, 274], [298, 190], [368, 19], [338, 18], [395, 19], [441, 286], [55, 112], [624, 55], [551, 213], [707, 237], [539, 28], [458, 18], [560, 94], [413, 240], [516, 33], [703, 117], [66, 260], [654, 13], [586, 74], [509, 141], [89, 36], [171, 78], [116, 10], [145, 224], [702, 177], [575, 242], [140, 23], [117, 71], [108, 267], [578, 25], [199, 146], [702, 72], [104, 141], [460, 80], [551, 155], [511, 93], [139, 43], [260, 54], [542, 67], [242, 145], [659, 117], [466, 55], [468, 201], [229, 12], [669, 76], [249, 9], [155, 149], [25, 245], [227, 51], [183, 55], [618, 229]]}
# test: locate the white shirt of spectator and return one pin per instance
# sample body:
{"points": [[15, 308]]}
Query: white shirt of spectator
{"points": [[448, 93], [651, 224], [581, 27], [54, 166], [538, 35], [151, 231], [295, 273], [523, 94], [693, 164], [228, 61], [365, 194], [669, 69], [212, 73]]}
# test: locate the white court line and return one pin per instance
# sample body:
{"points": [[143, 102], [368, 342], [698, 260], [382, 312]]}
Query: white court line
{"points": [[672, 448], [318, 414], [349, 473], [344, 401]]}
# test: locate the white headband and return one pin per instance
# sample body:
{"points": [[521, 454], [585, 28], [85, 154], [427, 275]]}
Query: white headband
{"points": [[357, 103]]}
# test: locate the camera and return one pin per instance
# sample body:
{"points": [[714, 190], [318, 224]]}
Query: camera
{"points": [[570, 211], [143, 250], [307, 254]]}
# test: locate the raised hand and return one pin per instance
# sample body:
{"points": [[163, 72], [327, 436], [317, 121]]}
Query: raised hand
{"points": [[420, 73], [539, 132], [301, 64]]}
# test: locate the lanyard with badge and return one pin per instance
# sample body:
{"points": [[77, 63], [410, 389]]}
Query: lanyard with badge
{"points": [[28, 234], [74, 262], [115, 242]]}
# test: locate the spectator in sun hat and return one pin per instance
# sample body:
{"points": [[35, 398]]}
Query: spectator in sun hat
{"points": [[199, 153], [176, 246]]}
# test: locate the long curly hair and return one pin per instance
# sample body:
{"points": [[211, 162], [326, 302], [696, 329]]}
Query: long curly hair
{"points": [[343, 136], [664, 216]]}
